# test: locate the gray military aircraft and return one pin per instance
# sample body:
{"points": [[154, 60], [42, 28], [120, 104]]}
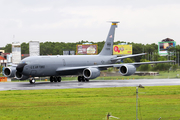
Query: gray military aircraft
{"points": [[85, 66]]}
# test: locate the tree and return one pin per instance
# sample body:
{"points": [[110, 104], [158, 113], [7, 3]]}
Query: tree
{"points": [[145, 67], [8, 48], [128, 60], [161, 66], [25, 48]]}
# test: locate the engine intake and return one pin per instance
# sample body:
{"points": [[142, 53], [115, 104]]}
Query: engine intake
{"points": [[20, 76], [91, 73], [10, 71], [127, 70]]}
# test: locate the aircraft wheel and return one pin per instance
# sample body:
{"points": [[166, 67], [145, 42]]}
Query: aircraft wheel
{"points": [[32, 81], [79, 78], [51, 79], [55, 79], [87, 80], [83, 79], [59, 79]]}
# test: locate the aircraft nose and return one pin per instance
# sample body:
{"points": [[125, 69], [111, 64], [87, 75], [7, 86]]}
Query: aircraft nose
{"points": [[20, 67]]}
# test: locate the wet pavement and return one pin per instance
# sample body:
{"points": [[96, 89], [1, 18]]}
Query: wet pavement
{"points": [[90, 84]]}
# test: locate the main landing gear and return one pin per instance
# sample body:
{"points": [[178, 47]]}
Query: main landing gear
{"points": [[55, 79], [32, 80], [82, 79]]}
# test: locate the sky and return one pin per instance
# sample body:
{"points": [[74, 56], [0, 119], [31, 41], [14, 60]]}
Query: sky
{"points": [[141, 21]]}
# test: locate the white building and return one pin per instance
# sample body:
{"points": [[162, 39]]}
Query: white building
{"points": [[16, 52], [34, 49]]}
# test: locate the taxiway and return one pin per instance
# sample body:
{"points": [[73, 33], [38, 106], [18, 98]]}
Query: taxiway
{"points": [[91, 84]]}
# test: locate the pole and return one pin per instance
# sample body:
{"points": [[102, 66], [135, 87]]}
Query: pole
{"points": [[108, 116], [178, 59], [136, 103], [175, 57]]}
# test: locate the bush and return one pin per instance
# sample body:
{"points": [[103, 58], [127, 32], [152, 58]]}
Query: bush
{"points": [[174, 67], [161, 66], [145, 67]]}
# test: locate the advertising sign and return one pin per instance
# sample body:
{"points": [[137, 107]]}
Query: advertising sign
{"points": [[122, 49], [87, 49], [164, 46]]}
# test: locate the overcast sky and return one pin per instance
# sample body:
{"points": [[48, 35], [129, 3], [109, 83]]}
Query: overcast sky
{"points": [[141, 21]]}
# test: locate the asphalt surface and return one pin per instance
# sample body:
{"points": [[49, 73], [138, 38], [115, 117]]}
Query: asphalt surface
{"points": [[90, 84]]}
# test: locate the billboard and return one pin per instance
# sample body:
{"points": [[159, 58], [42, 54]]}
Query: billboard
{"points": [[87, 49], [164, 46], [122, 49], [34, 49]]}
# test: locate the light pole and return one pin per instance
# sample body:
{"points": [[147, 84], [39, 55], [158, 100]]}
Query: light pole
{"points": [[140, 86]]}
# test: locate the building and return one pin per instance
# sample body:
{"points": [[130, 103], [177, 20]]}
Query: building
{"points": [[16, 52], [3, 61]]}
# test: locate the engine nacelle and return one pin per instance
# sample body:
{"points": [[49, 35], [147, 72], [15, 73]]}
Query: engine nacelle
{"points": [[127, 70], [10, 71], [20, 76], [91, 73]]}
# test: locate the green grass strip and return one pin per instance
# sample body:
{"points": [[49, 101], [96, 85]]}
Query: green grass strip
{"points": [[91, 104]]}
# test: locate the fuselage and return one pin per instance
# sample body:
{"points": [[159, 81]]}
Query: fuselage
{"points": [[38, 66]]}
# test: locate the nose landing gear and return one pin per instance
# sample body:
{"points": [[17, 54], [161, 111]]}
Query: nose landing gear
{"points": [[32, 80]]}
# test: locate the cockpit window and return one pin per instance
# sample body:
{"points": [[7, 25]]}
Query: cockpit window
{"points": [[27, 62], [22, 62]]}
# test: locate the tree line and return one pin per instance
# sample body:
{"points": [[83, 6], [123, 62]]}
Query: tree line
{"points": [[57, 48]]}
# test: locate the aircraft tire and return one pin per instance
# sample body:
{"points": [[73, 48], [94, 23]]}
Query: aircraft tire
{"points": [[59, 79], [79, 78], [55, 79], [32, 81], [87, 80], [83, 79], [51, 79]]}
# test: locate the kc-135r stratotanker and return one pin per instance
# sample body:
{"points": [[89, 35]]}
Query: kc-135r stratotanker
{"points": [[85, 66]]}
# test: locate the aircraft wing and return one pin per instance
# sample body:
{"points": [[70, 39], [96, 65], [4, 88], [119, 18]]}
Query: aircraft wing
{"points": [[142, 63], [109, 65], [83, 67], [127, 56]]}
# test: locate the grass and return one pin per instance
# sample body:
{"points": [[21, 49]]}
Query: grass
{"points": [[91, 104]]}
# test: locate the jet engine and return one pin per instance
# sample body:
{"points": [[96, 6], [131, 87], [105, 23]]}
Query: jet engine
{"points": [[10, 71], [127, 70], [20, 76], [91, 73]]}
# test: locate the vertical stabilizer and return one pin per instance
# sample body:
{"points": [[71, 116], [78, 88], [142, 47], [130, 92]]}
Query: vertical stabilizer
{"points": [[108, 46]]}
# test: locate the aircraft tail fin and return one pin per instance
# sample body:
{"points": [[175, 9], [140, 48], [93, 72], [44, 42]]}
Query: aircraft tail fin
{"points": [[108, 46]]}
